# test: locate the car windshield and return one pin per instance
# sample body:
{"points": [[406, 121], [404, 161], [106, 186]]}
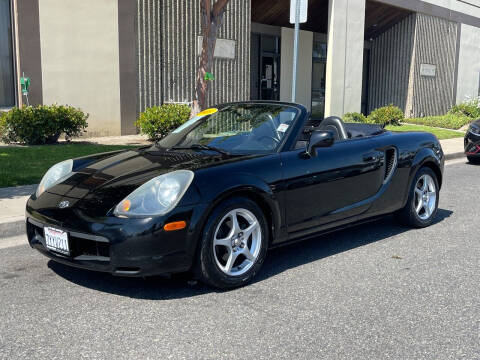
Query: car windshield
{"points": [[235, 129]]}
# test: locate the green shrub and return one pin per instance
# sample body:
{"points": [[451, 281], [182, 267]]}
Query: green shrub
{"points": [[470, 108], [156, 122], [387, 115], [3, 123], [354, 118], [448, 121], [41, 124]]}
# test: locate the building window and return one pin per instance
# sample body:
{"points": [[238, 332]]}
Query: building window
{"points": [[318, 79], [7, 78]]}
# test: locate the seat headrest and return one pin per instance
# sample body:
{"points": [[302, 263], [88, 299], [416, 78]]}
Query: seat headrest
{"points": [[337, 123]]}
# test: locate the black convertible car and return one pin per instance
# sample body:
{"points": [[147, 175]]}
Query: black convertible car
{"points": [[472, 142], [219, 191]]}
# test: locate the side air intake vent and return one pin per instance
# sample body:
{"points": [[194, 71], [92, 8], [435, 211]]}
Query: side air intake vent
{"points": [[391, 163]]}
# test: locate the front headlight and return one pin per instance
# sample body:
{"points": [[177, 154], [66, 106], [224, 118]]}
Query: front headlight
{"points": [[156, 197], [56, 174]]}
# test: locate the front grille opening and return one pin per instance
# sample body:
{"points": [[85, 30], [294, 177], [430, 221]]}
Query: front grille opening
{"points": [[79, 246], [33, 230], [390, 163], [89, 247], [103, 249]]}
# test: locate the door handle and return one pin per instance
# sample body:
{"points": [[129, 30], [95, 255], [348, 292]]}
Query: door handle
{"points": [[371, 158]]}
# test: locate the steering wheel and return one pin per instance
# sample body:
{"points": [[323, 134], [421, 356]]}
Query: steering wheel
{"points": [[273, 125]]}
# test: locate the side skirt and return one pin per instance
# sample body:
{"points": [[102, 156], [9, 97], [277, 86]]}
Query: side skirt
{"points": [[329, 231]]}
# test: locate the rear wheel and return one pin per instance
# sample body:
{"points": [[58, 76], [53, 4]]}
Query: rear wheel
{"points": [[422, 203], [473, 159], [234, 244]]}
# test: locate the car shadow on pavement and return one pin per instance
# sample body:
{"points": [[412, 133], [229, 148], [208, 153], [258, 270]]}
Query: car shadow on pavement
{"points": [[277, 261], [336, 242]]}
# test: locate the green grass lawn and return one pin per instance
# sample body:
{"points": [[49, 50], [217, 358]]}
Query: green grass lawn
{"points": [[26, 165], [440, 133]]}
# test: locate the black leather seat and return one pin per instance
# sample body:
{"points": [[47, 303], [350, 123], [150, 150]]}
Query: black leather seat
{"points": [[335, 125], [356, 130]]}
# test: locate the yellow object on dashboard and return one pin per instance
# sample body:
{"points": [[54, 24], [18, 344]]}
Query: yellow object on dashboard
{"points": [[207, 112]]}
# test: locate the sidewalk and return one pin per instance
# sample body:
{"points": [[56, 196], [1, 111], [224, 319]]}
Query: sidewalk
{"points": [[13, 200], [139, 140], [453, 148], [12, 209]]}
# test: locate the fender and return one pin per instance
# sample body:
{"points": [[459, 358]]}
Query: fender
{"points": [[252, 185], [427, 155]]}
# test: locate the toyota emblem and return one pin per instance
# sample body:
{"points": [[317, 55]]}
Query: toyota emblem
{"points": [[64, 204]]}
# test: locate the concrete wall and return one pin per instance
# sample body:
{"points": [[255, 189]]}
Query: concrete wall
{"points": [[167, 53], [469, 63], [127, 15], [469, 7], [80, 59], [346, 28], [7, 69], [396, 60], [463, 11], [435, 44], [304, 74], [29, 51], [390, 63]]}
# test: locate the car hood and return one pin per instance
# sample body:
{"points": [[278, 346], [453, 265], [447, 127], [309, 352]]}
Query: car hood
{"points": [[97, 184]]}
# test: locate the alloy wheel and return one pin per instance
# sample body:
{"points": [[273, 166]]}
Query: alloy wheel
{"points": [[237, 242], [425, 197]]}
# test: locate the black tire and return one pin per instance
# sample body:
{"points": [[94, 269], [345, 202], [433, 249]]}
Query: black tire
{"points": [[473, 159], [206, 267], [408, 215]]}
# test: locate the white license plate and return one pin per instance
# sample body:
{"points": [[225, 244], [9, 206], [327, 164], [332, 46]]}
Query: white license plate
{"points": [[57, 240]]}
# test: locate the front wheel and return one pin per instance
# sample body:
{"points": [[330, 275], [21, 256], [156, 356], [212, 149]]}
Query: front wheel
{"points": [[234, 244], [422, 203]]}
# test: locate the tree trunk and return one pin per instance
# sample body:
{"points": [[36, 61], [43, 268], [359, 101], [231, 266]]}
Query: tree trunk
{"points": [[212, 18]]}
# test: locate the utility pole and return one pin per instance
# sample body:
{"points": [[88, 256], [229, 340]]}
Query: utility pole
{"points": [[295, 50], [298, 14]]}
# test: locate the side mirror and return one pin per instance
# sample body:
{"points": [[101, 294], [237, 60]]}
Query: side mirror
{"points": [[319, 139]]}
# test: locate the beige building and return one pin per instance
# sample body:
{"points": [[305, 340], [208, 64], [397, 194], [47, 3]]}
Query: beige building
{"points": [[114, 58]]}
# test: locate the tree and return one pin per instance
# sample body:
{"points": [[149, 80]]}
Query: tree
{"points": [[212, 18]]}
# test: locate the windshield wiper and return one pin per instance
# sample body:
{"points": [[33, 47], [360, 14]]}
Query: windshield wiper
{"points": [[201, 147]]}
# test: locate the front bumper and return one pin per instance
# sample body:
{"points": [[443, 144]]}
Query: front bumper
{"points": [[472, 144], [120, 246]]}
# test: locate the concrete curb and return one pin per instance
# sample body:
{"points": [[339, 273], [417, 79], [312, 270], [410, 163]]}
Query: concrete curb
{"points": [[441, 128], [453, 156], [12, 227]]}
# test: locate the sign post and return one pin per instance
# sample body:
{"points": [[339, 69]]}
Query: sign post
{"points": [[25, 84], [298, 14]]}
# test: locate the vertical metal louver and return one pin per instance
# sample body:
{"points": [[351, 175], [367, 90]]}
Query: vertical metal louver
{"points": [[167, 53]]}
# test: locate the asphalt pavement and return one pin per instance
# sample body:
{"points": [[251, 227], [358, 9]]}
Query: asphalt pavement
{"points": [[376, 291]]}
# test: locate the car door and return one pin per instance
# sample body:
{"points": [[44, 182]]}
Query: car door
{"points": [[332, 185]]}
